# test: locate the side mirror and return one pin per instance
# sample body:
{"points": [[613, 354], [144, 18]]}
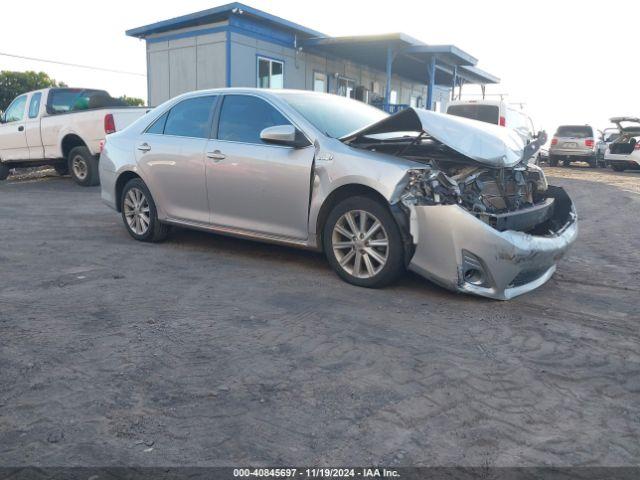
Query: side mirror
{"points": [[284, 135]]}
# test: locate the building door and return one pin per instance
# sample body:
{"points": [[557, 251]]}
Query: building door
{"points": [[346, 87], [319, 82]]}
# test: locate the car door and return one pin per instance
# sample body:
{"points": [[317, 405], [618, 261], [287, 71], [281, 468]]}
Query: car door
{"points": [[13, 140], [32, 127], [254, 186], [171, 154]]}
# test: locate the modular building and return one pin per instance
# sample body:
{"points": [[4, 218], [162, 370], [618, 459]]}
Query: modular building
{"points": [[235, 45]]}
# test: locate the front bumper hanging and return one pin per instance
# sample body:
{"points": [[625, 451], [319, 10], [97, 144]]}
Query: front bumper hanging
{"points": [[490, 263]]}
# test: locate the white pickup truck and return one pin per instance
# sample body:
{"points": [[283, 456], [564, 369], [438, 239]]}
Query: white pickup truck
{"points": [[62, 127]]}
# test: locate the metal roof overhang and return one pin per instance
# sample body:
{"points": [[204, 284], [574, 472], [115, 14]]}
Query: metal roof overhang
{"points": [[411, 57], [217, 14]]}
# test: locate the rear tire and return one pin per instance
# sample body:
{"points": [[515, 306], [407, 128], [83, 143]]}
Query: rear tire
{"points": [[139, 213], [4, 171], [83, 167], [553, 161], [371, 261]]}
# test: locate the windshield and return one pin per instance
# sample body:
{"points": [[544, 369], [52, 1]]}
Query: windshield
{"points": [[575, 131], [333, 115], [474, 111]]}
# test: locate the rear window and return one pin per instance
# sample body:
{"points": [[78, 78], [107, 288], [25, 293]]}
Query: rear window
{"points": [[75, 99], [574, 131], [483, 113]]}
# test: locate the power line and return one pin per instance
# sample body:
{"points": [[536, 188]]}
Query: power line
{"points": [[77, 65]]}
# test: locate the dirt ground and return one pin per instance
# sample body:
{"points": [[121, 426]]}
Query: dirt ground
{"points": [[213, 351]]}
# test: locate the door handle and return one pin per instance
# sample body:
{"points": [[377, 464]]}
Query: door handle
{"points": [[21, 128], [144, 147], [216, 155]]}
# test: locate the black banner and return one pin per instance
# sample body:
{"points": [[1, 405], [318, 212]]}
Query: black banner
{"points": [[307, 473]]}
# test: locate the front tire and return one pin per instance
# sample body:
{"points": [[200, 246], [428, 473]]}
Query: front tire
{"points": [[617, 167], [139, 213], [362, 242], [83, 167]]}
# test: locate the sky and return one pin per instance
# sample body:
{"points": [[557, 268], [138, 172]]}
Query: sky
{"points": [[566, 60]]}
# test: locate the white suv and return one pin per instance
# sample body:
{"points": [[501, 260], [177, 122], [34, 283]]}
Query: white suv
{"points": [[624, 152], [496, 112]]}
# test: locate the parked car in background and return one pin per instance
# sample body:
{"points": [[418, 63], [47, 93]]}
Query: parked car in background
{"points": [[377, 193], [573, 143], [608, 135], [497, 112], [624, 152], [62, 127]]}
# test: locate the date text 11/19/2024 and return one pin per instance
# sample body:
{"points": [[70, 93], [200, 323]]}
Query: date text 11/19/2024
{"points": [[304, 473]]}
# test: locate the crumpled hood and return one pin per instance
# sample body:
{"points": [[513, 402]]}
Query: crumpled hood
{"points": [[482, 142]]}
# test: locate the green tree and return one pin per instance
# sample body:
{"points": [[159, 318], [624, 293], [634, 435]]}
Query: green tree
{"points": [[13, 84], [132, 101]]}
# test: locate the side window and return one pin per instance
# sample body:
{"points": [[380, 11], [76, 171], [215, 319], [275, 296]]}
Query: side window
{"points": [[15, 112], [243, 117], [34, 105], [191, 118], [157, 127]]}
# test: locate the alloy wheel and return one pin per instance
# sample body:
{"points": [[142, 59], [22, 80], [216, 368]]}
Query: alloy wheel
{"points": [[136, 211], [360, 244], [80, 168]]}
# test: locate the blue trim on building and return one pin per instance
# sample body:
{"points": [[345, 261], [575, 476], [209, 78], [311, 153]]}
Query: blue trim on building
{"points": [[215, 15], [228, 59], [242, 28], [193, 33]]}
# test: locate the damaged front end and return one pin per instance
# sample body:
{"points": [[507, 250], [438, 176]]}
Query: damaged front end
{"points": [[481, 221]]}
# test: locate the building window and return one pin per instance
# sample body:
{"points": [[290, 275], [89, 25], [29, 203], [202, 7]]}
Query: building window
{"points": [[270, 73], [319, 82], [346, 87]]}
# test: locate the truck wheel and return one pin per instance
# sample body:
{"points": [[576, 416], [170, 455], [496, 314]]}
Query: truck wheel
{"points": [[553, 161], [362, 242], [566, 162], [139, 213], [83, 167], [61, 169], [4, 171]]}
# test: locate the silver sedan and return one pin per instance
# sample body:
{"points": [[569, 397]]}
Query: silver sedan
{"points": [[452, 199]]}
